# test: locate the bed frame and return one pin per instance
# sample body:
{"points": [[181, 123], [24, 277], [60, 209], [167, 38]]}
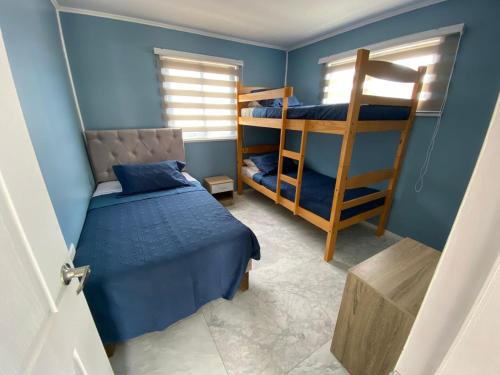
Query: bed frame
{"points": [[348, 130]]}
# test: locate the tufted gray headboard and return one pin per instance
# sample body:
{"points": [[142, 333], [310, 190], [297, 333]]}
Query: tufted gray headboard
{"points": [[131, 146]]}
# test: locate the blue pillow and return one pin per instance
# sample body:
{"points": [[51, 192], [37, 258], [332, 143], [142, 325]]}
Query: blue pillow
{"points": [[177, 164], [292, 102], [264, 102], [142, 178], [268, 163]]}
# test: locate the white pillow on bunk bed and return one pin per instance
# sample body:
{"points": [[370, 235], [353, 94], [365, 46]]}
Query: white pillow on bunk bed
{"points": [[249, 171], [249, 163]]}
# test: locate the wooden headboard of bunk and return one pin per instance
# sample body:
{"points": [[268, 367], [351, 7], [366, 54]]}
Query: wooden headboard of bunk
{"points": [[131, 146], [247, 90], [246, 96]]}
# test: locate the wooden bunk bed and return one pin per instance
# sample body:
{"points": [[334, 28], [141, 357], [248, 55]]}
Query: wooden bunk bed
{"points": [[348, 130]]}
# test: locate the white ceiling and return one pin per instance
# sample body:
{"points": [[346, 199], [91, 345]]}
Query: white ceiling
{"points": [[281, 23]]}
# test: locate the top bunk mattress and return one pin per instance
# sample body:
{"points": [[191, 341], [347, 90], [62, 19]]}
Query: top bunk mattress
{"points": [[337, 112]]}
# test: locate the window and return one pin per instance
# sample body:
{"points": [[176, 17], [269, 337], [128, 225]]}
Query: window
{"points": [[436, 52], [199, 94]]}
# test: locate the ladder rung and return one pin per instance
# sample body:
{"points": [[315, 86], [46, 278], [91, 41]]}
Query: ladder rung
{"points": [[291, 154], [288, 179]]}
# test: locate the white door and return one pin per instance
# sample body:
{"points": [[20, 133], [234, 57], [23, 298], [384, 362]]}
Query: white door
{"points": [[45, 326], [457, 330], [476, 347]]}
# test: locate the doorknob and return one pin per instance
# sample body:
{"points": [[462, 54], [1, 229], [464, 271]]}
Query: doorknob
{"points": [[68, 273]]}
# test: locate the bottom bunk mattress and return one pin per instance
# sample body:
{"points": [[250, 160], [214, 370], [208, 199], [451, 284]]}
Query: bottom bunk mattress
{"points": [[158, 257], [317, 193]]}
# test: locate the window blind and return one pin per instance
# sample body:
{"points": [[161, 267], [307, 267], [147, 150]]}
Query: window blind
{"points": [[437, 53], [199, 97]]}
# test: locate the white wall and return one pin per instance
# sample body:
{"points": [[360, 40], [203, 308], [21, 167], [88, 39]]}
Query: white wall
{"points": [[469, 255]]}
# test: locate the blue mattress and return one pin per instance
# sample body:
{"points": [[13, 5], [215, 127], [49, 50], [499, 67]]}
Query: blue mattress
{"points": [[158, 257], [335, 112], [317, 193]]}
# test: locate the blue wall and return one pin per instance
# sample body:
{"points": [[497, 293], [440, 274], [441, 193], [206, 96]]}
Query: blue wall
{"points": [[33, 44], [115, 76], [428, 215]]}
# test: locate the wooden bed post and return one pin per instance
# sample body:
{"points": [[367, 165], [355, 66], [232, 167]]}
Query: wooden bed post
{"points": [[398, 161], [284, 110], [346, 152], [239, 142], [245, 282], [300, 168], [110, 349]]}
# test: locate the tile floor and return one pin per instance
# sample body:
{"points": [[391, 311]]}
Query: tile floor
{"points": [[282, 325]]}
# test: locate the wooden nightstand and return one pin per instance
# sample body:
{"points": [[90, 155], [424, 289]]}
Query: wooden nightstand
{"points": [[381, 299], [221, 187]]}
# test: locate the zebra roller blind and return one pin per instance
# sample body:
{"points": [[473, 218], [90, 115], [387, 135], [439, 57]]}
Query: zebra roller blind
{"points": [[199, 96], [437, 53]]}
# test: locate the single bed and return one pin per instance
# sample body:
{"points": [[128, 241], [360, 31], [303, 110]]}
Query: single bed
{"points": [[156, 257]]}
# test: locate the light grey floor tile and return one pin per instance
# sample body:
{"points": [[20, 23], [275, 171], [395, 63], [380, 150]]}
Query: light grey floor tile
{"points": [[186, 348], [321, 362], [282, 324], [280, 321]]}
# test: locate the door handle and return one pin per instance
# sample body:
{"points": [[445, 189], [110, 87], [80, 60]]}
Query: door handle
{"points": [[68, 273]]}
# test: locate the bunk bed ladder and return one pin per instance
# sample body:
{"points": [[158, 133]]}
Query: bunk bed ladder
{"points": [[300, 168], [297, 156], [239, 142], [279, 174]]}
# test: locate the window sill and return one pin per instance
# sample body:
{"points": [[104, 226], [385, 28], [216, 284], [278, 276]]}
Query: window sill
{"points": [[428, 114], [198, 140]]}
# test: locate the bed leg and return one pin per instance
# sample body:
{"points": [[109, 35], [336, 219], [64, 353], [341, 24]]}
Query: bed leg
{"points": [[331, 239], [383, 219], [380, 229], [240, 186], [245, 282], [110, 349]]}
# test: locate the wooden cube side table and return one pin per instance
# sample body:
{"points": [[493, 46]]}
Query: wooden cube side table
{"points": [[221, 187], [381, 299]]}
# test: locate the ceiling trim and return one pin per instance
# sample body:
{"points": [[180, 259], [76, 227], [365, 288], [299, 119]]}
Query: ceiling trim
{"points": [[163, 25], [366, 21], [335, 32]]}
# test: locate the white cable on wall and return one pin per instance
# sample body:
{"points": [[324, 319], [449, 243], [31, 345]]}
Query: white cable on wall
{"points": [[419, 184]]}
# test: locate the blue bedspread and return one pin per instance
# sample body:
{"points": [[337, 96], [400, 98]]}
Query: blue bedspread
{"points": [[158, 257], [317, 193], [335, 112]]}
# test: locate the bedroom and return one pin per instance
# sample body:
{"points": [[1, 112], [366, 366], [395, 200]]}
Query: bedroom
{"points": [[82, 68]]}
